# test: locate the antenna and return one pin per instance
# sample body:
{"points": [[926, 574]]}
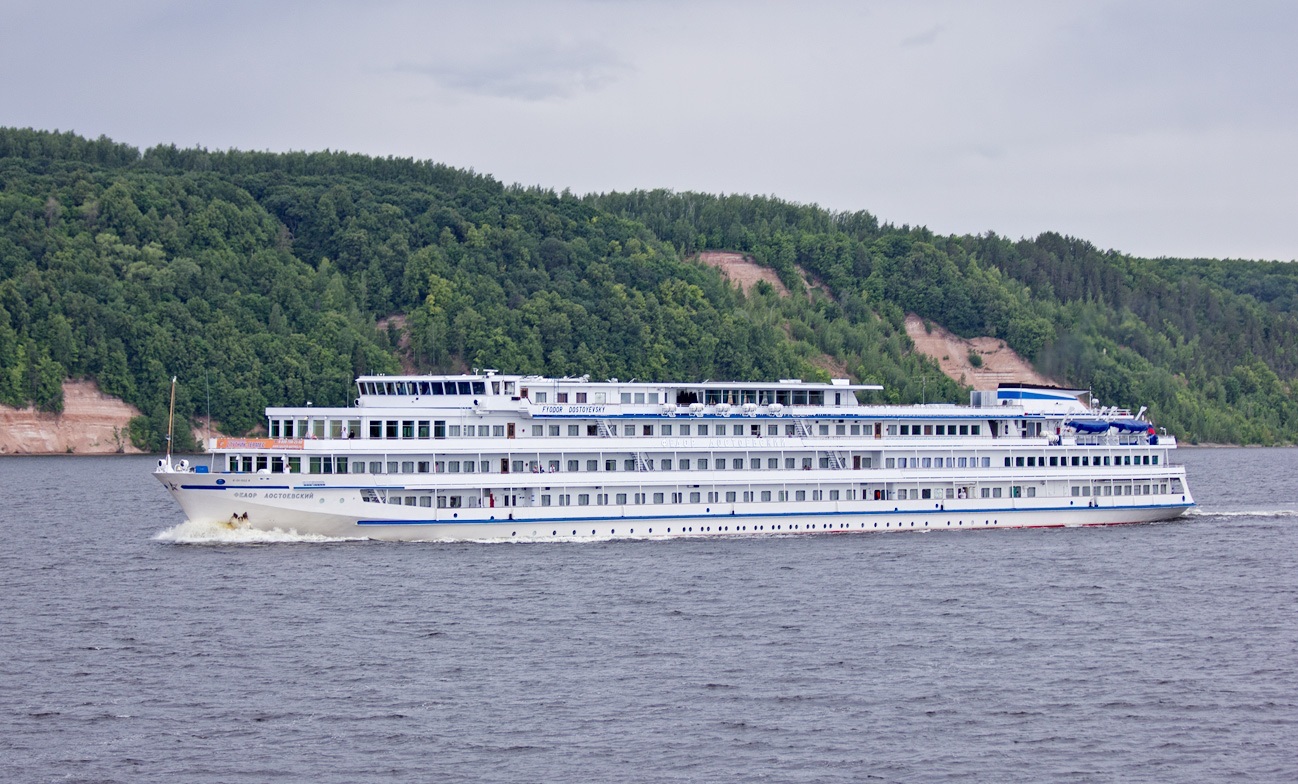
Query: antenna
{"points": [[171, 417], [211, 459]]}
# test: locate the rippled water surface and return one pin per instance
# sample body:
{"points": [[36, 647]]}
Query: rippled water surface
{"points": [[137, 649]]}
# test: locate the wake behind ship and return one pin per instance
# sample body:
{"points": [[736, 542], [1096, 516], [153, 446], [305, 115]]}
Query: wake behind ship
{"points": [[486, 456]]}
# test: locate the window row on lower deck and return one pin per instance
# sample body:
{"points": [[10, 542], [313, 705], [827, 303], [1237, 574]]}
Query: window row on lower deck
{"points": [[629, 496]]}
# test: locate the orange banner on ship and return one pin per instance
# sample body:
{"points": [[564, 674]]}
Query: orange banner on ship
{"points": [[259, 443]]}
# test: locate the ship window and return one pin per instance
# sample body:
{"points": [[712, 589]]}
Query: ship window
{"points": [[561, 397], [730, 496], [985, 462], [540, 396], [423, 466], [573, 430], [665, 430], [627, 430], [721, 464], [647, 430], [1018, 462], [620, 499], [453, 431], [581, 397], [408, 428], [463, 387], [986, 492], [806, 464], [554, 466], [453, 467], [996, 492], [479, 387], [824, 430], [625, 397], [703, 430], [468, 466], [592, 465], [434, 387], [610, 465], [703, 464], [565, 500], [816, 495], [800, 495], [666, 464], [545, 499], [274, 428], [538, 431], [927, 462], [905, 430], [1054, 460], [772, 463], [755, 464], [629, 465], [583, 499], [975, 429], [572, 465], [498, 431], [658, 498]]}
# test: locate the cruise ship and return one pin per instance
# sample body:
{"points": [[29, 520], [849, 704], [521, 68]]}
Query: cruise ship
{"points": [[495, 457]]}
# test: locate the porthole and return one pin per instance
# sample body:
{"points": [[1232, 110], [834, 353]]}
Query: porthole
{"points": [[554, 533], [613, 532], [515, 533], [592, 532], [632, 530], [574, 533]]}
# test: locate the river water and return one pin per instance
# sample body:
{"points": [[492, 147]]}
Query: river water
{"points": [[136, 648]]}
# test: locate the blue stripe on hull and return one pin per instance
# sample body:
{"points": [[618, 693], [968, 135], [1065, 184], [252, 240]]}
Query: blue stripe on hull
{"points": [[770, 515]]}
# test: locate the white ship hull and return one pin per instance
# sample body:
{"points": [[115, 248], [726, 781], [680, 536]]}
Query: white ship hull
{"points": [[340, 513]]}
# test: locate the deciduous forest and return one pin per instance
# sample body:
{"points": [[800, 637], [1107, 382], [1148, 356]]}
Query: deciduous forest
{"points": [[274, 278]]}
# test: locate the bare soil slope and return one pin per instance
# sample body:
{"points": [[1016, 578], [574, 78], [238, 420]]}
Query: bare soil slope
{"points": [[743, 271], [1000, 364], [91, 423]]}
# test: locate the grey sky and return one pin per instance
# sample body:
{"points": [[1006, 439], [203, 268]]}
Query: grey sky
{"points": [[1155, 128]]}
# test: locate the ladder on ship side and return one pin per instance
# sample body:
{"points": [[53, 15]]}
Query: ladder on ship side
{"points": [[804, 430], [837, 460], [643, 463], [606, 429]]}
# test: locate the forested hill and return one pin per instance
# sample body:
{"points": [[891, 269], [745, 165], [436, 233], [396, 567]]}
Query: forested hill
{"points": [[260, 278]]}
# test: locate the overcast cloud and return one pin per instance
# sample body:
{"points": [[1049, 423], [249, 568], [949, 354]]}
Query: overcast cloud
{"points": [[1155, 128]]}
